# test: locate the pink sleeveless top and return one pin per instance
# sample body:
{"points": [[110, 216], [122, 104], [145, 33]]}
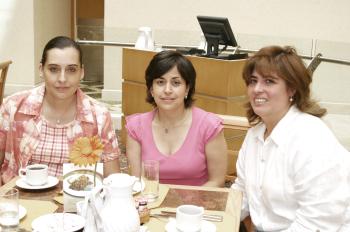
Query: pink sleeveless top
{"points": [[188, 165]]}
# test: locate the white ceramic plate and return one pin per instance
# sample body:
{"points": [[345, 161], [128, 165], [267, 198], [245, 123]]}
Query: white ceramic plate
{"points": [[206, 226], [51, 181], [21, 212], [138, 187], [70, 177], [54, 222]]}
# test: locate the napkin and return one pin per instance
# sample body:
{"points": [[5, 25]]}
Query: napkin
{"points": [[35, 209]]}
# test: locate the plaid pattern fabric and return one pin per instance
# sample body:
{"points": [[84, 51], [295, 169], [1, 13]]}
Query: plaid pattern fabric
{"points": [[52, 149], [21, 127]]}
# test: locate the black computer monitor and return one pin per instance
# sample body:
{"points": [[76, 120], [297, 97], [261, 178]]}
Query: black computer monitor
{"points": [[217, 31]]}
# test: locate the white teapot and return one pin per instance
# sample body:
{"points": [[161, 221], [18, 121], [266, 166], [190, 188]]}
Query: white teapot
{"points": [[114, 207]]}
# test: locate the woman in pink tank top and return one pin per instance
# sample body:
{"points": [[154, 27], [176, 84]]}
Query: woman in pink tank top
{"points": [[187, 141]]}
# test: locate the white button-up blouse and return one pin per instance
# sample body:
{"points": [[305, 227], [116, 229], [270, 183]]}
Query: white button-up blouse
{"points": [[295, 180]]}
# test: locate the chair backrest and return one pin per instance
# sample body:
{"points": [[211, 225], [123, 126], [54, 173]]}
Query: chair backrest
{"points": [[240, 125], [4, 66]]}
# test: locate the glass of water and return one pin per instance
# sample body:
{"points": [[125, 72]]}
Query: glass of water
{"points": [[9, 216], [150, 175]]}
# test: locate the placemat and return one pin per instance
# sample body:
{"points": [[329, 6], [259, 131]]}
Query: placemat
{"points": [[163, 192], [35, 209], [210, 200]]}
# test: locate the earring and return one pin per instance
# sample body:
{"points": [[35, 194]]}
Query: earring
{"points": [[291, 98], [186, 97]]}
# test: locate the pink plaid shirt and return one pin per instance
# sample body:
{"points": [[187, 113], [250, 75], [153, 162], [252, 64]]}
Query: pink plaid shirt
{"points": [[22, 137]]}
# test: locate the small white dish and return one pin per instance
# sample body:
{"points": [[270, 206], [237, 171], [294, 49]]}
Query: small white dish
{"points": [[206, 226], [51, 181], [21, 212], [80, 193], [138, 187], [54, 222]]}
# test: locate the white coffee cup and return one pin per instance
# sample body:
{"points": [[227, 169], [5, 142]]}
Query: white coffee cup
{"points": [[189, 218], [35, 174]]}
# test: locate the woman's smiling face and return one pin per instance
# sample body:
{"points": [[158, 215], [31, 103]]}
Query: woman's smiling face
{"points": [[169, 90], [269, 96]]}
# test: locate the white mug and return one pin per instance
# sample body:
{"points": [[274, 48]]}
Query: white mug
{"points": [[35, 174], [189, 218]]}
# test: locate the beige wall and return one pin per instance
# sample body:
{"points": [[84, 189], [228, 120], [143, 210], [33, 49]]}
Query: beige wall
{"points": [[328, 20], [16, 42], [26, 26], [51, 18], [311, 26], [256, 23]]}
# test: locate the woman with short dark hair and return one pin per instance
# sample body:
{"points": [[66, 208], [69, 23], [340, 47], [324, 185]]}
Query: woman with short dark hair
{"points": [[187, 141]]}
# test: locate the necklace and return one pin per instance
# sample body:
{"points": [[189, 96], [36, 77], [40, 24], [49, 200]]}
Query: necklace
{"points": [[180, 123], [49, 114]]}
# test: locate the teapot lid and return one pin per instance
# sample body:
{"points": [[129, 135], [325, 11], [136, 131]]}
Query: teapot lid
{"points": [[119, 180]]}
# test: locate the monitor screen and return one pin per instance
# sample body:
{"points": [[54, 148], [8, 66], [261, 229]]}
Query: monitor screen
{"points": [[217, 31]]}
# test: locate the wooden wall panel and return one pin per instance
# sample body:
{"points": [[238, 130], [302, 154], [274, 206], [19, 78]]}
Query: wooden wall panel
{"points": [[217, 78], [89, 9], [134, 98], [135, 63]]}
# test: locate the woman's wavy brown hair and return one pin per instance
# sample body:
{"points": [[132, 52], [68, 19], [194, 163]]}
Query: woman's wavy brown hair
{"points": [[285, 63]]}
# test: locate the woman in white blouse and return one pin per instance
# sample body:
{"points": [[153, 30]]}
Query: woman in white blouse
{"points": [[293, 172]]}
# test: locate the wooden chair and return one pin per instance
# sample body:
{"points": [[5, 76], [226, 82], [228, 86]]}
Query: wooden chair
{"points": [[240, 125], [4, 66]]}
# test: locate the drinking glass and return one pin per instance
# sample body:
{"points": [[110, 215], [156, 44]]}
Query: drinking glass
{"points": [[9, 210], [150, 175]]}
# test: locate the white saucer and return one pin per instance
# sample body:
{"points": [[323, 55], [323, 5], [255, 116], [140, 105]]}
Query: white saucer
{"points": [[206, 226], [51, 181], [53, 222], [21, 212]]}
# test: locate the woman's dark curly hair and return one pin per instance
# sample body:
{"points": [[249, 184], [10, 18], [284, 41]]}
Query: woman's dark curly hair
{"points": [[161, 63]]}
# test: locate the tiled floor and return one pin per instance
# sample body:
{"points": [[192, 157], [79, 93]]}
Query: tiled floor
{"points": [[93, 89]]}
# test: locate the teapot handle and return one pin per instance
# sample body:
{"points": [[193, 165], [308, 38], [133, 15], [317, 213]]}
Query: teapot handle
{"points": [[135, 179], [97, 191]]}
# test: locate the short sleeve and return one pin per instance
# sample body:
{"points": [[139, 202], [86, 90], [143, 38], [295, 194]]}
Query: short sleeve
{"points": [[4, 124], [133, 126], [111, 149], [212, 126]]}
